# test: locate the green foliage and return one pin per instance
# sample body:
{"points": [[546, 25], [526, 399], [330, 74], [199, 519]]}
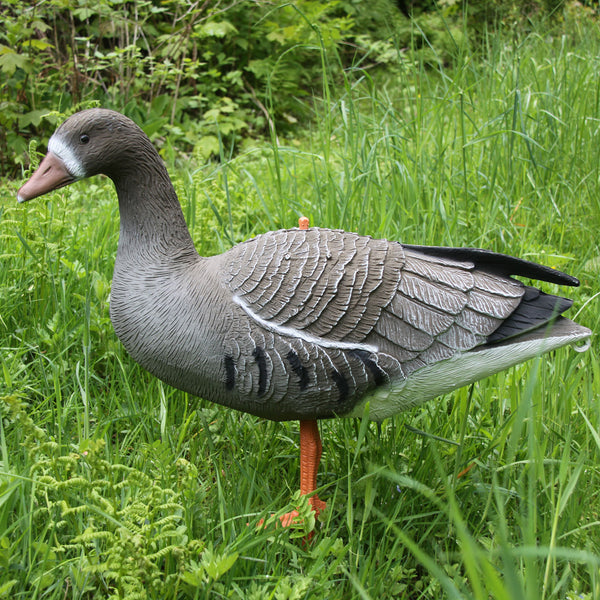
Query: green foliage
{"points": [[198, 72], [112, 484], [115, 525], [209, 72], [514, 12], [491, 10]]}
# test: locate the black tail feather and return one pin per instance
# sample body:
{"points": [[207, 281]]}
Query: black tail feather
{"points": [[499, 264], [535, 310]]}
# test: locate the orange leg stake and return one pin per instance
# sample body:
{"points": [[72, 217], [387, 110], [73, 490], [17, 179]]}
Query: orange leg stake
{"points": [[310, 457], [310, 452]]}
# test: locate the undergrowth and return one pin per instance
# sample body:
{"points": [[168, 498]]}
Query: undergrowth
{"points": [[113, 485]]}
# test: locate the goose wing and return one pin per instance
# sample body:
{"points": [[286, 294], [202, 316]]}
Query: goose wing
{"points": [[326, 283], [341, 287]]}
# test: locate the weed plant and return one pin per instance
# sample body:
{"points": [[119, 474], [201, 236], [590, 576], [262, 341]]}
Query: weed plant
{"points": [[115, 485]]}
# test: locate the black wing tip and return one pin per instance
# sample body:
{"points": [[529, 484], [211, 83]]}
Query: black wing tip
{"points": [[574, 281], [499, 264]]}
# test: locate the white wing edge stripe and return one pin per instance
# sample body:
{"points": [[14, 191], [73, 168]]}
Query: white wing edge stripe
{"points": [[296, 333]]}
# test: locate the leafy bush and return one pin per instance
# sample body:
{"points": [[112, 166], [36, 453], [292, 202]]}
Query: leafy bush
{"points": [[198, 72], [206, 73]]}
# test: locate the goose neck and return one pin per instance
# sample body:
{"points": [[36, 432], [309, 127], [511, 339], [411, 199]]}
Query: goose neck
{"points": [[152, 222]]}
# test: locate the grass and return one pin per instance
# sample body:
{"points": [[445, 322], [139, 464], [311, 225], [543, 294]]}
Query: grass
{"points": [[114, 485]]}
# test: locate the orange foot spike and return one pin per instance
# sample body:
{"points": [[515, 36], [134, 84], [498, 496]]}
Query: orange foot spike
{"points": [[310, 457]]}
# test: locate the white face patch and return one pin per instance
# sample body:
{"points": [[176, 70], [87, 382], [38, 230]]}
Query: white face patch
{"points": [[306, 337], [66, 154]]}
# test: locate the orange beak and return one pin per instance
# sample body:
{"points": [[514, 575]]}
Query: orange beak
{"points": [[50, 175]]}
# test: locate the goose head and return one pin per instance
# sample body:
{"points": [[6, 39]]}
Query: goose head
{"points": [[90, 142]]}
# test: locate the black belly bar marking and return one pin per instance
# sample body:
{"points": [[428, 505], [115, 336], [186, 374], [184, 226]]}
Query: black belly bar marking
{"points": [[298, 368], [229, 372], [379, 375], [342, 385], [261, 361]]}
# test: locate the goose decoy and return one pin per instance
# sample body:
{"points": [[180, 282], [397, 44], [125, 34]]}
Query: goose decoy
{"points": [[301, 324]]}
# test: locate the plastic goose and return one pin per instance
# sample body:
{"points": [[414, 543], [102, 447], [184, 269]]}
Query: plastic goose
{"points": [[299, 324]]}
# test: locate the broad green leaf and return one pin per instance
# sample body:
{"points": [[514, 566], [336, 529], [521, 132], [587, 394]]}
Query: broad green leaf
{"points": [[10, 61], [216, 29]]}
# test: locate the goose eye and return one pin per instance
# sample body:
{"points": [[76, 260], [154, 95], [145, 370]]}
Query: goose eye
{"points": [[84, 138]]}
